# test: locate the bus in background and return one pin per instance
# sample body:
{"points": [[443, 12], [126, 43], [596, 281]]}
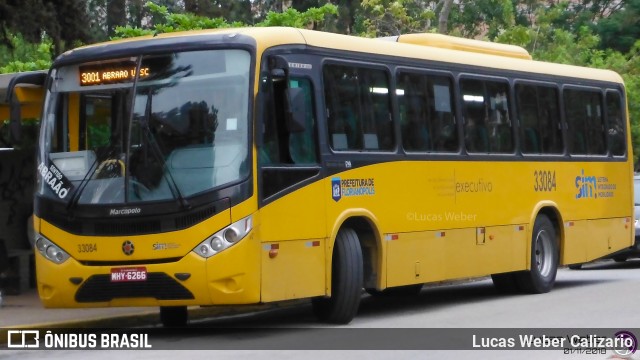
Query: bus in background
{"points": [[21, 96], [240, 166]]}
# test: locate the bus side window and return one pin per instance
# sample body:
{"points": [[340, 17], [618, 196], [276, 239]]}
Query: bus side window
{"points": [[358, 108], [527, 109], [488, 127], [442, 116], [575, 122], [302, 145], [341, 97], [585, 122], [539, 116], [500, 134], [616, 124], [287, 158], [426, 112], [475, 131], [413, 115], [549, 121]]}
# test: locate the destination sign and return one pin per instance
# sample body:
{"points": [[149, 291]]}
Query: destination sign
{"points": [[110, 74]]}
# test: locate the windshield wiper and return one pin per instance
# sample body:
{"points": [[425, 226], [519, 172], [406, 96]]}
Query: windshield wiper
{"points": [[75, 197], [157, 154]]}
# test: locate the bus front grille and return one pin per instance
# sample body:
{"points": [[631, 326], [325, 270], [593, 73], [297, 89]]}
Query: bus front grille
{"points": [[100, 288]]}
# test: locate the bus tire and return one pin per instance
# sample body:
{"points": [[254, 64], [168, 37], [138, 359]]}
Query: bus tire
{"points": [[174, 316], [346, 281], [544, 259], [505, 282]]}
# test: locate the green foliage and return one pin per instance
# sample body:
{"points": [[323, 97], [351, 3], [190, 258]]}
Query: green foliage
{"points": [[99, 135], [482, 17], [546, 42], [26, 56], [628, 65], [294, 18], [395, 17], [166, 22], [621, 29]]}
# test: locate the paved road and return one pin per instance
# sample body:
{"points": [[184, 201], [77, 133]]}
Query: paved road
{"points": [[603, 295]]}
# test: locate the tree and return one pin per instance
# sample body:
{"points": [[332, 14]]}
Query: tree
{"points": [[116, 15], [395, 17], [25, 56], [166, 21], [63, 21], [443, 17], [481, 18], [548, 41], [621, 28]]}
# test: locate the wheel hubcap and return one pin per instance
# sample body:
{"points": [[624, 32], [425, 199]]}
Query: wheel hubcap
{"points": [[543, 253]]}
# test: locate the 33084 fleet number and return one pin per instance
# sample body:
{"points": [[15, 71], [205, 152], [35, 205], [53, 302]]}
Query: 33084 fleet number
{"points": [[85, 248], [544, 180]]}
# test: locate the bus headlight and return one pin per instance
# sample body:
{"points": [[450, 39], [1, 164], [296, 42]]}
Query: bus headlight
{"points": [[224, 238], [50, 250]]}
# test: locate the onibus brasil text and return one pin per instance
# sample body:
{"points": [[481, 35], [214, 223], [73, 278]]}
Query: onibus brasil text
{"points": [[79, 340]]}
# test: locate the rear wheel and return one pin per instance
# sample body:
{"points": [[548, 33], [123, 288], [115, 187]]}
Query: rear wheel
{"points": [[173, 316], [346, 281], [544, 259]]}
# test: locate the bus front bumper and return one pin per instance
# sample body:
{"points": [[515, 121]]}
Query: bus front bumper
{"points": [[229, 277]]}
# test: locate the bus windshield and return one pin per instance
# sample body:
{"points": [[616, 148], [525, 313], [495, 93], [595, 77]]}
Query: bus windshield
{"points": [[150, 128]]}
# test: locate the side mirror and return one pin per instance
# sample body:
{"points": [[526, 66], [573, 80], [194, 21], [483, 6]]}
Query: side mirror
{"points": [[36, 78], [296, 110]]}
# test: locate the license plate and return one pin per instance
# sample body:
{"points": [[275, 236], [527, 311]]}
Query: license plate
{"points": [[128, 274]]}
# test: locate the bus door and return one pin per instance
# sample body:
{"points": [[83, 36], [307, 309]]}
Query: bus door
{"points": [[292, 225]]}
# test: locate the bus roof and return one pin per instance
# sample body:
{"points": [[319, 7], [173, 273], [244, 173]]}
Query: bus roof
{"points": [[409, 46]]}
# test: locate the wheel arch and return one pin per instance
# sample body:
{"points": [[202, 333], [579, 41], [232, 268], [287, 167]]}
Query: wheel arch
{"points": [[367, 227], [549, 209]]}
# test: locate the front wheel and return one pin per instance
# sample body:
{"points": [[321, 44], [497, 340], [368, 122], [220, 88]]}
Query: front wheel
{"points": [[346, 281], [544, 259]]}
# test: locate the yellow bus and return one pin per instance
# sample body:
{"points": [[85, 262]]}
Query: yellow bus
{"points": [[243, 166], [21, 96]]}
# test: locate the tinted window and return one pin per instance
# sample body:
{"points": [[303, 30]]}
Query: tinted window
{"points": [[540, 126], [616, 124], [426, 112], [585, 122], [358, 107], [487, 119], [280, 145]]}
